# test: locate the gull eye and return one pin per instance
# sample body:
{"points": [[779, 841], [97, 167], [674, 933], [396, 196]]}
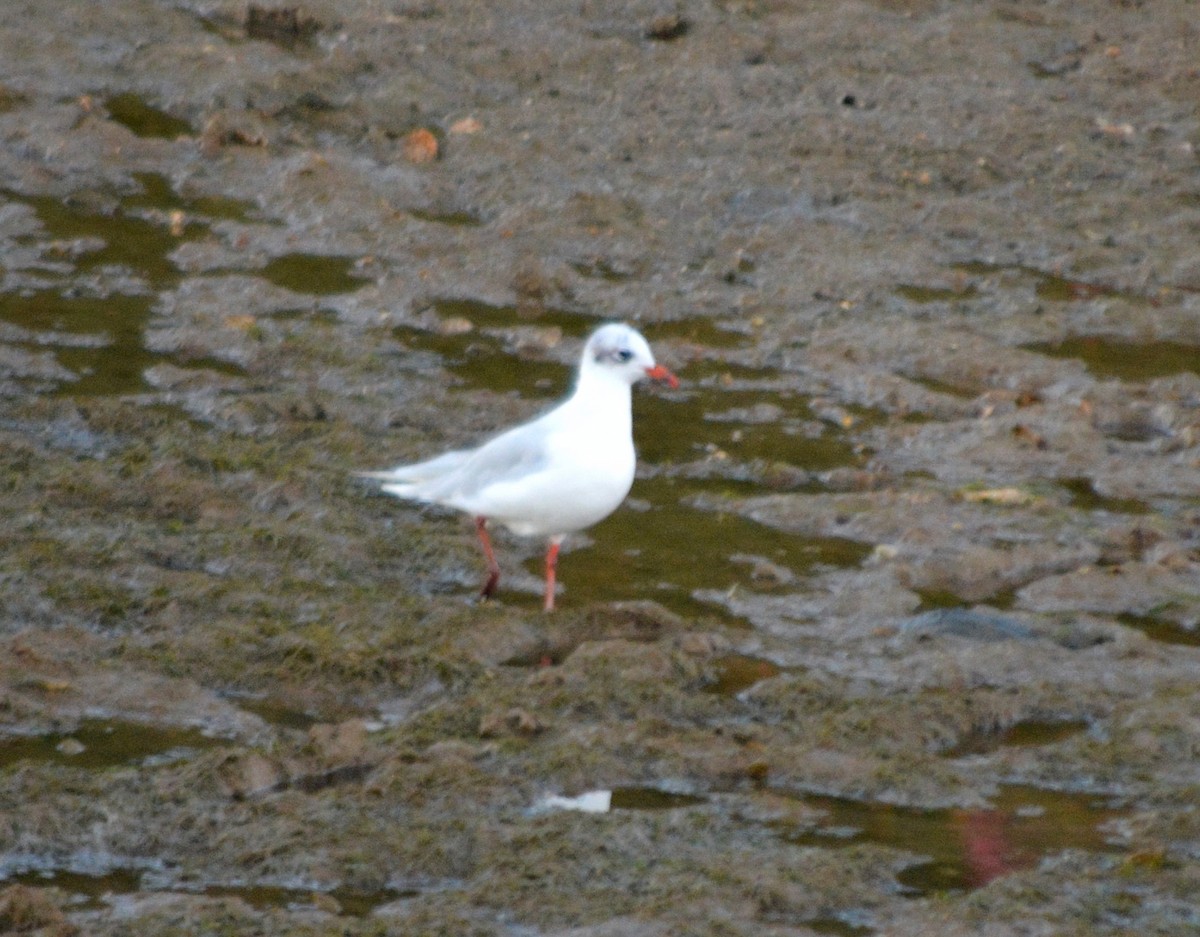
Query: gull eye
{"points": [[623, 355]]}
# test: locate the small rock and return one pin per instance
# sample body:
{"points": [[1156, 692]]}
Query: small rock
{"points": [[515, 721], [323, 901], [223, 130], [70, 747], [246, 774], [341, 743], [702, 645], [455, 325], [668, 27], [25, 910], [1005, 496], [643, 620], [763, 570], [420, 146], [466, 125]]}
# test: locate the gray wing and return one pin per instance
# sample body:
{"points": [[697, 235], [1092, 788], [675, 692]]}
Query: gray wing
{"points": [[462, 474], [512, 455], [422, 471]]}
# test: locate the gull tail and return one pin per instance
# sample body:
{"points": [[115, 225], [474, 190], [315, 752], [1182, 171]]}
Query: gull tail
{"points": [[406, 481], [399, 484]]}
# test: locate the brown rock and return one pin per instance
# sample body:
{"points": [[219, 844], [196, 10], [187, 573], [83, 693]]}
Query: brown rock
{"points": [[246, 774], [420, 146]]}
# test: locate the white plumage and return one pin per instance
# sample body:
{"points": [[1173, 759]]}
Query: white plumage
{"points": [[560, 473]]}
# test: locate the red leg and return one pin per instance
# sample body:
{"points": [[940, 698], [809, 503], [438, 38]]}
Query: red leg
{"points": [[493, 579], [551, 572]]}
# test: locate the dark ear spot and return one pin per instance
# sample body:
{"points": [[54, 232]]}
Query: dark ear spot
{"points": [[615, 355]]}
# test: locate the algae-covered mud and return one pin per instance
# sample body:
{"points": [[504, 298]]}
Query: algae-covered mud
{"points": [[899, 630]]}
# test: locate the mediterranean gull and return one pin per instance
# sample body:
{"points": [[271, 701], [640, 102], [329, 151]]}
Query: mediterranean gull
{"points": [[558, 474]]}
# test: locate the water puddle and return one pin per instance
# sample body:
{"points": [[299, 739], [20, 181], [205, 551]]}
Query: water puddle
{"points": [[124, 236], [1055, 288], [476, 359], [839, 926], [961, 848], [1136, 362], [934, 599], [651, 798], [966, 848], [95, 890], [158, 196], [705, 332], [98, 340], [736, 673], [1162, 629], [275, 713], [670, 550], [457, 219], [99, 743], [1085, 497], [88, 891], [130, 111], [739, 425], [1029, 733], [314, 274], [98, 334]]}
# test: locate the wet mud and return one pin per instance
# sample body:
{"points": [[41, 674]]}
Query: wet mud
{"points": [[899, 630]]}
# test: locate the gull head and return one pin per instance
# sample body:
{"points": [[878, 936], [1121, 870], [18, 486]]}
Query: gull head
{"points": [[621, 352]]}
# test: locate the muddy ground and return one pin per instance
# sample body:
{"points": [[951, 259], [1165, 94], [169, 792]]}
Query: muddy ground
{"points": [[898, 631]]}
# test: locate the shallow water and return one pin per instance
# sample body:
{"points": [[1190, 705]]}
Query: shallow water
{"points": [[738, 672], [959, 849], [313, 274], [465, 219], [132, 112], [1085, 497], [967, 848], [670, 551], [1111, 357], [1025, 733], [94, 316], [104, 743], [651, 798], [277, 714], [1161, 629], [838, 926], [88, 890], [1051, 286]]}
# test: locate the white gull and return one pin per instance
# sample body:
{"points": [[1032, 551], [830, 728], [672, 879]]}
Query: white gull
{"points": [[558, 474]]}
